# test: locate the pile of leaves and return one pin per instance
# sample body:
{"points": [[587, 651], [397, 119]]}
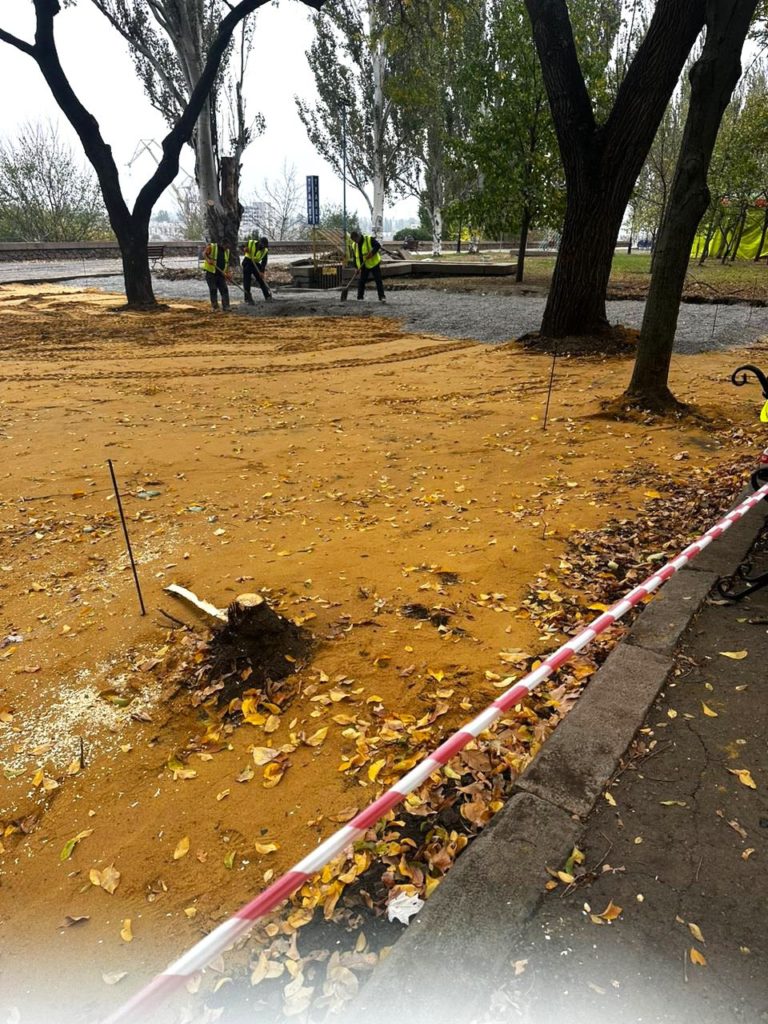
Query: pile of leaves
{"points": [[600, 566]]}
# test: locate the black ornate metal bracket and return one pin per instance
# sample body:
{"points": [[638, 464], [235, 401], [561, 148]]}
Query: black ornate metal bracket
{"points": [[748, 368], [742, 583]]}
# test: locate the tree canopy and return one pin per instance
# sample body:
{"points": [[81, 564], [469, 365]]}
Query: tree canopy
{"points": [[46, 194]]}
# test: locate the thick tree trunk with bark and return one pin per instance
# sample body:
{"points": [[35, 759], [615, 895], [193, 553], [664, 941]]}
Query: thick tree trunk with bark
{"points": [[136, 272], [713, 79], [223, 218], [602, 161], [576, 303]]}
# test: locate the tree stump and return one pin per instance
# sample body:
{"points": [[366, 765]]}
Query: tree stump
{"points": [[256, 648], [250, 617], [252, 647]]}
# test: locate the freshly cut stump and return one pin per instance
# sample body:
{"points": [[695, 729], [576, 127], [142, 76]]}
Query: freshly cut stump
{"points": [[251, 616], [256, 649]]}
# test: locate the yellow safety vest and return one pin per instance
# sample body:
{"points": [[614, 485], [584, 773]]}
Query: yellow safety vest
{"points": [[371, 259], [255, 255], [210, 257]]}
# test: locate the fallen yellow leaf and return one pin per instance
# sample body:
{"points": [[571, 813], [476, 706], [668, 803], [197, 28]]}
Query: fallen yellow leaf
{"points": [[697, 957], [265, 848], [182, 848], [375, 768], [263, 755], [611, 912], [734, 655], [126, 933], [695, 931], [708, 710], [108, 879], [744, 777], [272, 775], [317, 737]]}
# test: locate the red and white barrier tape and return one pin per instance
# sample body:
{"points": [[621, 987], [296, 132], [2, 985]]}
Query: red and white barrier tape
{"points": [[222, 937]]}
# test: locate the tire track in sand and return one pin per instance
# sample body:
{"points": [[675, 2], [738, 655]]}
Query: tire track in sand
{"points": [[239, 369]]}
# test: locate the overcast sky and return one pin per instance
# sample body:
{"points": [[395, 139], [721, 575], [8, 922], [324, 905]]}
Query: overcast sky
{"points": [[97, 63]]}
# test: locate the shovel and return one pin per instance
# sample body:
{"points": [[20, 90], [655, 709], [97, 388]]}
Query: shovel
{"points": [[345, 289]]}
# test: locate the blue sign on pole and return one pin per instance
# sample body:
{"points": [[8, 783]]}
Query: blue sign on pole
{"points": [[313, 200]]}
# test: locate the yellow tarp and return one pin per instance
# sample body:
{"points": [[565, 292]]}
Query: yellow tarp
{"points": [[753, 230]]}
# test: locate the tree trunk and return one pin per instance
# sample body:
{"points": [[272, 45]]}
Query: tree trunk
{"points": [[602, 161], [523, 244], [437, 231], [725, 245], [576, 303], [223, 218], [713, 79], [711, 229], [763, 233], [739, 234], [378, 66], [136, 272], [377, 213]]}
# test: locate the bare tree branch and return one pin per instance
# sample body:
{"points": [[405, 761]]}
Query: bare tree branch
{"points": [[20, 44]]}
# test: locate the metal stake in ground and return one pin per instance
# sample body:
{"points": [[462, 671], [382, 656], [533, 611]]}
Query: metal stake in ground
{"points": [[127, 538], [551, 382]]}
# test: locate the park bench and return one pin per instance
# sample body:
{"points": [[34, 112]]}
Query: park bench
{"points": [[155, 254]]}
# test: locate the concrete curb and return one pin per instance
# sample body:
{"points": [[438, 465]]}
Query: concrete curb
{"points": [[580, 756], [457, 941], [467, 931]]}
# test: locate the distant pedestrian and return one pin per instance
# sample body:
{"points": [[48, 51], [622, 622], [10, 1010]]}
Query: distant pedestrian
{"points": [[217, 273], [367, 251], [256, 254]]}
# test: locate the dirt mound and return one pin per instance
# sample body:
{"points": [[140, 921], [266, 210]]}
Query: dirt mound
{"points": [[613, 341], [256, 648]]}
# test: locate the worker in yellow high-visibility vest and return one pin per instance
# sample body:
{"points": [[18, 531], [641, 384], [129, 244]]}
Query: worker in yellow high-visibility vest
{"points": [[217, 273], [255, 256], [367, 251]]}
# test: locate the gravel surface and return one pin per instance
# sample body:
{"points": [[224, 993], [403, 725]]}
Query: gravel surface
{"points": [[492, 318]]}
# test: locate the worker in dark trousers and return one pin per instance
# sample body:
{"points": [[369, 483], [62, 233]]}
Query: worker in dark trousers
{"points": [[367, 259], [256, 254], [217, 273]]}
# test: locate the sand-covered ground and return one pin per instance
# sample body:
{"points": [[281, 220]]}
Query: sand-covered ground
{"points": [[346, 470]]}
